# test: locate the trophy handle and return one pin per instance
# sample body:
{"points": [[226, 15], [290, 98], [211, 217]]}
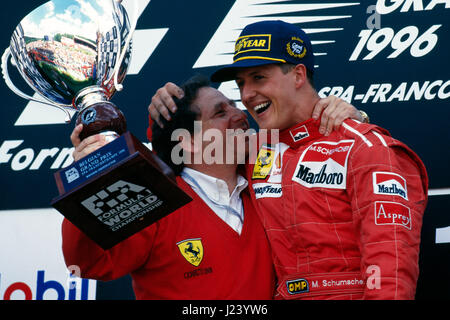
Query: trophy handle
{"points": [[17, 91], [117, 85]]}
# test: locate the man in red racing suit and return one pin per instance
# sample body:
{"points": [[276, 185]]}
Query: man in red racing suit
{"points": [[343, 213]]}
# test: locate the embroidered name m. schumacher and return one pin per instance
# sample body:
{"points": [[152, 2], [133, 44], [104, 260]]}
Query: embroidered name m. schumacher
{"points": [[324, 165]]}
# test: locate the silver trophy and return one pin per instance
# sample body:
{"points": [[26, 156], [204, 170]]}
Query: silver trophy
{"points": [[75, 54]]}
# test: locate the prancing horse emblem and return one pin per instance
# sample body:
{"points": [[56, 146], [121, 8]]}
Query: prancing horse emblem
{"points": [[264, 162], [192, 250]]}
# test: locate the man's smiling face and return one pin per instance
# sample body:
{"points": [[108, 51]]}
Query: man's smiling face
{"points": [[220, 113], [268, 93]]}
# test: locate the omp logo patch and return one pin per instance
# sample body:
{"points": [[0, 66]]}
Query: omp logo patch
{"points": [[297, 286], [191, 250], [389, 183], [392, 213], [264, 162], [257, 42], [324, 165], [299, 133]]}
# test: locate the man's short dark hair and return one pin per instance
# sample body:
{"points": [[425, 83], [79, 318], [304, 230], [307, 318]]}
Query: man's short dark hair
{"points": [[185, 116], [287, 67]]}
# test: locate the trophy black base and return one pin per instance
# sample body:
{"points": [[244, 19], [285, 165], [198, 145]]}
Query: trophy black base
{"points": [[117, 191]]}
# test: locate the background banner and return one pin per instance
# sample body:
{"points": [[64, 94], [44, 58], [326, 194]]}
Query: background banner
{"points": [[388, 58]]}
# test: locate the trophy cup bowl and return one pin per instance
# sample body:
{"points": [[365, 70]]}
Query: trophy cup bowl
{"points": [[75, 55]]}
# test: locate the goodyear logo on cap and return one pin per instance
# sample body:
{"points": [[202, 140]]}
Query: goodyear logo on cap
{"points": [[297, 286], [257, 42]]}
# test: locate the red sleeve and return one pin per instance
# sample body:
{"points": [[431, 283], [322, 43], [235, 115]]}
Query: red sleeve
{"points": [[149, 129], [388, 186], [96, 263]]}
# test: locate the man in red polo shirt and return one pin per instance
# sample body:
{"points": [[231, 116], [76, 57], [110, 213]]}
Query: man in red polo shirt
{"points": [[212, 248]]}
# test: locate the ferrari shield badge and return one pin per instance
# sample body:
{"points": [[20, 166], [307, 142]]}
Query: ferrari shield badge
{"points": [[192, 250], [263, 163]]}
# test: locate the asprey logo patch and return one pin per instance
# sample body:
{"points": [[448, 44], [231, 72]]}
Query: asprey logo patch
{"points": [[257, 42], [389, 183], [392, 213], [324, 165], [191, 250], [297, 286], [299, 133]]}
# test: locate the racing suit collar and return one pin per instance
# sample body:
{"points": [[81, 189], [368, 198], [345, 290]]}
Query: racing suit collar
{"points": [[301, 133]]}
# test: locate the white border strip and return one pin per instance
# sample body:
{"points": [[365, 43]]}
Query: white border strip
{"points": [[439, 192], [443, 235]]}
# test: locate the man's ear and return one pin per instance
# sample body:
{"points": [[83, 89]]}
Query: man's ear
{"points": [[300, 75]]}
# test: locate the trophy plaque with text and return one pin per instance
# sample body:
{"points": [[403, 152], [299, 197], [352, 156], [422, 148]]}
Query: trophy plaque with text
{"points": [[75, 56]]}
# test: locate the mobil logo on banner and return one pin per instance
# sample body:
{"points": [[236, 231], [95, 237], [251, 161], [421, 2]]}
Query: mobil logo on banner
{"points": [[43, 286], [32, 266], [324, 165]]}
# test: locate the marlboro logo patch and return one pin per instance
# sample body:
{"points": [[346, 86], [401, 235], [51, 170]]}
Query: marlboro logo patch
{"points": [[389, 183], [324, 165], [299, 133]]}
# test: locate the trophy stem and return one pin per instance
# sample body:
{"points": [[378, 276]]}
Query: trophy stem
{"points": [[97, 114], [89, 96]]}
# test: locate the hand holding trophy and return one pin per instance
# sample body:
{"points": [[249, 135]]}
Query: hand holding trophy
{"points": [[75, 55]]}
